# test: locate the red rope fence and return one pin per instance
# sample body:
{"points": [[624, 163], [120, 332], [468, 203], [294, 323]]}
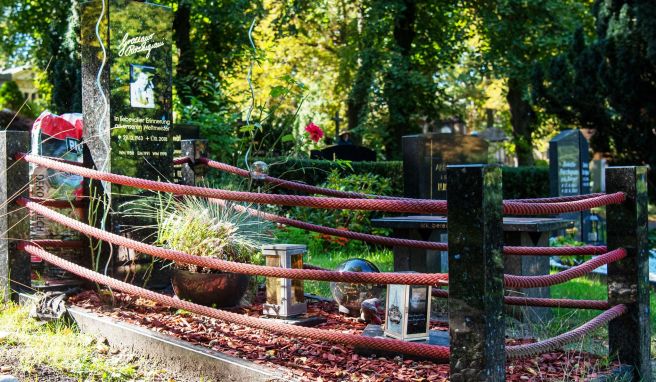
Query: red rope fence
{"points": [[417, 349], [557, 342], [292, 185], [514, 281], [393, 205], [542, 302], [393, 241], [230, 266], [408, 206], [69, 244]]}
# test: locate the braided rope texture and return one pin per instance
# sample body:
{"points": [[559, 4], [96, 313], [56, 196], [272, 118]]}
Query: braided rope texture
{"points": [[542, 302], [393, 241], [47, 243], [292, 185], [514, 281], [393, 205], [557, 342], [407, 206], [230, 266]]}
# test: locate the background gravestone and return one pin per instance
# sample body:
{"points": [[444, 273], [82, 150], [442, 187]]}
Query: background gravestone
{"points": [[127, 90], [180, 133], [425, 157], [345, 152], [569, 173]]}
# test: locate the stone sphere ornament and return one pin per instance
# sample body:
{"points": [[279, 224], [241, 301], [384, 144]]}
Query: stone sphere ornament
{"points": [[259, 170], [350, 296]]}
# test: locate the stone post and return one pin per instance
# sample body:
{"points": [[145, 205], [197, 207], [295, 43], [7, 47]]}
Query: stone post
{"points": [[195, 149], [476, 323], [628, 279], [15, 271]]}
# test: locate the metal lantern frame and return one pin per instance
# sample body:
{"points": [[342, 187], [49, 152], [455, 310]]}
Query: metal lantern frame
{"points": [[284, 297]]}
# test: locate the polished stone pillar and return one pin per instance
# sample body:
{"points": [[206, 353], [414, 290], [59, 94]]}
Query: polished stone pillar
{"points": [[476, 273], [15, 266], [628, 279]]}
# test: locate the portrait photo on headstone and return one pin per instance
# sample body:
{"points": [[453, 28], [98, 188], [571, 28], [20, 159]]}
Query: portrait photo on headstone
{"points": [[142, 90]]}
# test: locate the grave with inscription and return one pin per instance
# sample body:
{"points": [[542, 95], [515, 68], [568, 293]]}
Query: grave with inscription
{"points": [[127, 98], [425, 157], [569, 173], [126, 87]]}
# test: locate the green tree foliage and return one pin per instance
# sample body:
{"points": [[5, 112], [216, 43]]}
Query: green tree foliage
{"points": [[517, 34], [44, 33], [10, 96], [607, 83]]}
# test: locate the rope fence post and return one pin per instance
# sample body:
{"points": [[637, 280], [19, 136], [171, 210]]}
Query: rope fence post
{"points": [[628, 279], [15, 266], [194, 171], [475, 230]]}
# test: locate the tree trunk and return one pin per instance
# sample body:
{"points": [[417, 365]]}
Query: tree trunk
{"points": [[522, 119], [398, 87], [187, 60]]}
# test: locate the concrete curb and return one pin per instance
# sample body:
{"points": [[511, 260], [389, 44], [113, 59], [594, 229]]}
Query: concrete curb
{"points": [[192, 361]]}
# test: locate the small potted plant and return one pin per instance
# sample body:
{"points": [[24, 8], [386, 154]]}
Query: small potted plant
{"points": [[199, 227]]}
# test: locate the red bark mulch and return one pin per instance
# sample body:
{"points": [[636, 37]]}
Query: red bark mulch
{"points": [[321, 361]]}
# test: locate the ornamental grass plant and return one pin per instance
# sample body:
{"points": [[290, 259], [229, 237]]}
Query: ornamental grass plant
{"points": [[201, 228]]}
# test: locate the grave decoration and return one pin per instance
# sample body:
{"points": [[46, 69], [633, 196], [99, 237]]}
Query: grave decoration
{"points": [[56, 136], [425, 157], [284, 297], [349, 296], [408, 310], [569, 174]]}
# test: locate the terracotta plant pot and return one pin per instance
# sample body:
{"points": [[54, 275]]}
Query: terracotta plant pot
{"points": [[219, 290]]}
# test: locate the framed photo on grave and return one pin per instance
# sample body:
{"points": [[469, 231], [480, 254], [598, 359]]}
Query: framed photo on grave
{"points": [[407, 312]]}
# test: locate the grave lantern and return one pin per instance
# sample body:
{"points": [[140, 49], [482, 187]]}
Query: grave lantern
{"points": [[597, 229], [284, 297], [407, 315]]}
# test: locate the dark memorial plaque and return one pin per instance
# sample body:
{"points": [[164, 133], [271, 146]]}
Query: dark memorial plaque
{"points": [[126, 86], [425, 157], [179, 133], [569, 173]]}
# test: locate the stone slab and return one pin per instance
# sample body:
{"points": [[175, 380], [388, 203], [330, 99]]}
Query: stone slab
{"points": [[435, 337], [510, 224]]}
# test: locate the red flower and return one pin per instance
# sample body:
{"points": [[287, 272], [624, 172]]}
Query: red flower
{"points": [[315, 132]]}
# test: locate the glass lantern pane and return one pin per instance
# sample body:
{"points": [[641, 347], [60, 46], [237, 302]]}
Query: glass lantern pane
{"points": [[417, 309], [273, 296], [298, 293]]}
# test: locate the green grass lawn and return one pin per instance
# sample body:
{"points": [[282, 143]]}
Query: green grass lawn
{"points": [[331, 259], [563, 319]]}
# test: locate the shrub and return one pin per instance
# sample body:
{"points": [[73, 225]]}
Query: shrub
{"points": [[525, 182], [359, 221]]}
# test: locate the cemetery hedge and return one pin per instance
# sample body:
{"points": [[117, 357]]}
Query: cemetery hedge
{"points": [[518, 182]]}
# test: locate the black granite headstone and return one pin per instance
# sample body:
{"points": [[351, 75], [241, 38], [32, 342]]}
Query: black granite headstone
{"points": [[569, 173], [425, 157], [345, 152], [629, 335], [126, 87]]}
